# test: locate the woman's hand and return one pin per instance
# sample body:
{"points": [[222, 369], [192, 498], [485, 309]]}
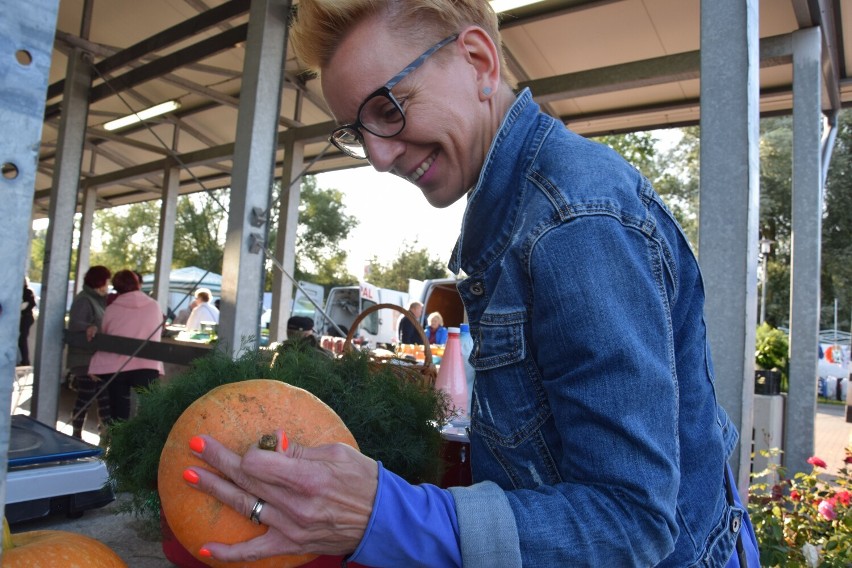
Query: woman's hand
{"points": [[317, 500], [91, 332]]}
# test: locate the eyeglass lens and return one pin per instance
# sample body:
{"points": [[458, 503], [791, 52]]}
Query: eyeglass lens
{"points": [[381, 116], [349, 140]]}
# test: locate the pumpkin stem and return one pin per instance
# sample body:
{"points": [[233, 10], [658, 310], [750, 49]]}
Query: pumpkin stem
{"points": [[7, 536]]}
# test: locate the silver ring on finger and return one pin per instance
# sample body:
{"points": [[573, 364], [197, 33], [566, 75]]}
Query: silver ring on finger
{"points": [[255, 511]]}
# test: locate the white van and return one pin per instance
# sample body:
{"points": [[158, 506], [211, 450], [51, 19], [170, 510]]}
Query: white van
{"points": [[442, 296], [345, 303]]}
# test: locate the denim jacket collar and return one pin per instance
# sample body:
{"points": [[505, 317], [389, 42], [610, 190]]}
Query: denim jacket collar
{"points": [[486, 242]]}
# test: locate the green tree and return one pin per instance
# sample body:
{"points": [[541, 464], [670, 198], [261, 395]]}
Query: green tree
{"points": [[836, 273], [200, 230], [638, 148], [412, 263], [677, 180], [35, 268], [776, 146], [323, 225], [128, 237]]}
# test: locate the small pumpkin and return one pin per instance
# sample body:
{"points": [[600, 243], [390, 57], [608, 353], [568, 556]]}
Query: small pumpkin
{"points": [[56, 549], [237, 414]]}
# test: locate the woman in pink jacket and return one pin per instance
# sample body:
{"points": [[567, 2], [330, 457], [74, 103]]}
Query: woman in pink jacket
{"points": [[131, 314]]}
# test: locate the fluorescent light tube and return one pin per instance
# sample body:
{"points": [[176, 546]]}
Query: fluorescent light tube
{"points": [[151, 112], [506, 5]]}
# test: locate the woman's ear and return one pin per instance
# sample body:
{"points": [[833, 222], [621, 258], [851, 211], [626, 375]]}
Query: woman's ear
{"points": [[481, 52]]}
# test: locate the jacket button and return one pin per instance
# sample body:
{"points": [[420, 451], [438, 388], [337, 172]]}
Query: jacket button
{"points": [[735, 524], [477, 289]]}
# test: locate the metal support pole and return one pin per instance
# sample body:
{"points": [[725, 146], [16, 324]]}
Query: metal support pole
{"points": [[285, 247], [26, 42], [90, 200], [254, 163], [728, 228], [806, 207], [765, 249], [165, 242], [763, 290], [60, 232]]}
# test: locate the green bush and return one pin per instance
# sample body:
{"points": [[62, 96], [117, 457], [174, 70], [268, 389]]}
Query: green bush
{"points": [[805, 521], [771, 351]]}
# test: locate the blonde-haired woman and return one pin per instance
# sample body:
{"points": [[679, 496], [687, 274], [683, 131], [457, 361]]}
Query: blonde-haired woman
{"points": [[586, 451], [436, 333]]}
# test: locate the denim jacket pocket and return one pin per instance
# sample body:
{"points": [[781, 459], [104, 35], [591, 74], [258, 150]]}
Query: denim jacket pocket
{"points": [[506, 377], [722, 540], [500, 340]]}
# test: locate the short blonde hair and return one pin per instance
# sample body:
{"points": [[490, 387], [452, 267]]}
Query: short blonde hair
{"points": [[320, 25], [436, 316]]}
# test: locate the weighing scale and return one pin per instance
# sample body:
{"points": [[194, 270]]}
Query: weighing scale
{"points": [[51, 472]]}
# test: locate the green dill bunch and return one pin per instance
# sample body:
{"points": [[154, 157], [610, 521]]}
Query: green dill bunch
{"points": [[395, 421]]}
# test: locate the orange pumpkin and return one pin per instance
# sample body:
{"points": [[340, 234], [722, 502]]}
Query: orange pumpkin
{"points": [[56, 549], [237, 414]]}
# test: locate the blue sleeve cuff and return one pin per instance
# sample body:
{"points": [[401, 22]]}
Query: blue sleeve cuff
{"points": [[410, 525]]}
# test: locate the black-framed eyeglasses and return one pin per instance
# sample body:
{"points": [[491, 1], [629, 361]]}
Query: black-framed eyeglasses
{"points": [[380, 114]]}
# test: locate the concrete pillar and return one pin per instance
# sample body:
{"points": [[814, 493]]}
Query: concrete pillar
{"points": [[806, 206], [729, 197]]}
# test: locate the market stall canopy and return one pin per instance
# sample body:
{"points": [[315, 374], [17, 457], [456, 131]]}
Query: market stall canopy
{"points": [[183, 282], [601, 66]]}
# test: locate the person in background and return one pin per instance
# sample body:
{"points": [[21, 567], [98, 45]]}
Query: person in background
{"points": [[584, 450], [28, 304], [183, 315], [408, 333], [300, 329], [204, 311], [132, 314], [85, 316], [436, 333]]}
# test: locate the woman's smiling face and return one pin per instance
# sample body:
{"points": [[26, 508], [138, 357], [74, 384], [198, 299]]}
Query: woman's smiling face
{"points": [[442, 147]]}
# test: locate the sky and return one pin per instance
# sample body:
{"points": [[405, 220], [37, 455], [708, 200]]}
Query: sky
{"points": [[391, 212]]}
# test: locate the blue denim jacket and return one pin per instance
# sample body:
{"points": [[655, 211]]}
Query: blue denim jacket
{"points": [[595, 420]]}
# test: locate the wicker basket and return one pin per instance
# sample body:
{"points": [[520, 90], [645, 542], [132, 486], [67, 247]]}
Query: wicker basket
{"points": [[423, 374]]}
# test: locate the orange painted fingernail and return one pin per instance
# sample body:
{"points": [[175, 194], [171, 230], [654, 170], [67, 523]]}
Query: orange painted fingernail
{"points": [[190, 476], [284, 442], [204, 552], [196, 444]]}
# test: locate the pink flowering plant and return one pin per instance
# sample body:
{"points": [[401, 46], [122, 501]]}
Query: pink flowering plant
{"points": [[805, 521]]}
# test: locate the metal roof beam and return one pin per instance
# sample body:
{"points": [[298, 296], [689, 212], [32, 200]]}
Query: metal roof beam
{"points": [[163, 65], [94, 134], [308, 134], [547, 9], [165, 38], [681, 106], [776, 50]]}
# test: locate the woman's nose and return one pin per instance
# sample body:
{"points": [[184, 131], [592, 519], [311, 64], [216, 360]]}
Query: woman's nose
{"points": [[382, 152]]}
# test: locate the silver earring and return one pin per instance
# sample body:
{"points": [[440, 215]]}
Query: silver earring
{"points": [[486, 91]]}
